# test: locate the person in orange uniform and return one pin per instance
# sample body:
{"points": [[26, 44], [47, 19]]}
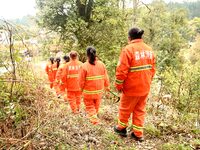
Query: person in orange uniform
{"points": [[134, 74], [61, 90], [49, 71], [55, 69], [93, 80], [70, 80]]}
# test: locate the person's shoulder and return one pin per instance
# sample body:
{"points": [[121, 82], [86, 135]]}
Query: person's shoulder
{"points": [[66, 65], [100, 63], [47, 64], [148, 47], [54, 65], [85, 64], [79, 62], [62, 66], [127, 47]]}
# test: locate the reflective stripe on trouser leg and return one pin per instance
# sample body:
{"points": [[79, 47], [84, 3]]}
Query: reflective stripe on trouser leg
{"points": [[138, 116], [122, 125], [138, 130], [127, 104], [94, 119]]}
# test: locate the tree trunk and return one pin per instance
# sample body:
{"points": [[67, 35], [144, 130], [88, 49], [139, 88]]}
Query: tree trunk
{"points": [[89, 10], [81, 7], [135, 6], [85, 9]]}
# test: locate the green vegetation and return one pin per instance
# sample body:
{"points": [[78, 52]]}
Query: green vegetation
{"points": [[169, 146], [31, 117], [152, 130], [191, 7]]}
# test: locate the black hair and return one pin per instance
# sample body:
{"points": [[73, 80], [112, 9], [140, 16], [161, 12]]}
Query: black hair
{"points": [[51, 59], [91, 54], [58, 61], [66, 58], [135, 33]]}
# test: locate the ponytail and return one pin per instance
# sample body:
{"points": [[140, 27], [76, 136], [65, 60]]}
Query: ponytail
{"points": [[91, 54], [51, 59], [66, 58], [58, 62], [140, 33]]}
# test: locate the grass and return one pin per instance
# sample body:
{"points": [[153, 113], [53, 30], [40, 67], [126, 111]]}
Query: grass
{"points": [[172, 146], [151, 130]]}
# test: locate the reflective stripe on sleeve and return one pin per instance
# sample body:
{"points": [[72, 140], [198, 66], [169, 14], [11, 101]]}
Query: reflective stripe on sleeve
{"points": [[95, 77], [54, 69], [119, 81], [94, 116], [93, 92], [140, 68], [72, 76]]}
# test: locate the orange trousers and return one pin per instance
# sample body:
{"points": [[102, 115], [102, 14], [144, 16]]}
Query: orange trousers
{"points": [[92, 109], [74, 99], [62, 90], [51, 80], [136, 106], [56, 87], [51, 85]]}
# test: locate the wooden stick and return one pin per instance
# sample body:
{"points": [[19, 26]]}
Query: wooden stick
{"points": [[22, 81]]}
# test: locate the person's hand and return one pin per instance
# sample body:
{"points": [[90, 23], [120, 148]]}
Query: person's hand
{"points": [[107, 95], [107, 89], [120, 91]]}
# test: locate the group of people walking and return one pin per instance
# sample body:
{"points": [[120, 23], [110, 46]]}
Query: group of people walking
{"points": [[73, 79], [134, 73]]}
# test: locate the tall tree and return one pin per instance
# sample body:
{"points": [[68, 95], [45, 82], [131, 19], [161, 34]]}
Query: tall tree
{"points": [[87, 21]]}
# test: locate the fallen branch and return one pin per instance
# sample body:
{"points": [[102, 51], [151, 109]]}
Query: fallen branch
{"points": [[27, 135], [22, 81], [25, 145], [146, 6]]}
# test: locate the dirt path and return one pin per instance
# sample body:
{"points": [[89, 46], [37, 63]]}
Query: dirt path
{"points": [[64, 130]]}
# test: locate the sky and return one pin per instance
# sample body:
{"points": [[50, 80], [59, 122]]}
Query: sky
{"points": [[13, 9]]}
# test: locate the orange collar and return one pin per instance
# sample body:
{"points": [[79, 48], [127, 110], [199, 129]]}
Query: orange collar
{"points": [[73, 60], [136, 41]]}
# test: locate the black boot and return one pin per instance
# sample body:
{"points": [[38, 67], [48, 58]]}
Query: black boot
{"points": [[121, 132], [140, 139]]}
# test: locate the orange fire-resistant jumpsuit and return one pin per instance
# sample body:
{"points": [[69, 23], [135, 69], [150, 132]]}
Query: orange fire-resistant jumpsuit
{"points": [[49, 71], [61, 86], [93, 79], [70, 80], [134, 74]]}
